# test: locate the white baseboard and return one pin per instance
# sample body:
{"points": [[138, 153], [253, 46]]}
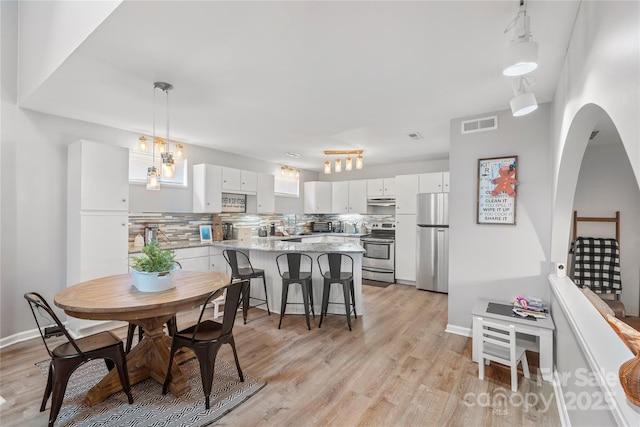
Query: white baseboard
{"points": [[562, 407], [33, 333], [19, 337], [458, 330]]}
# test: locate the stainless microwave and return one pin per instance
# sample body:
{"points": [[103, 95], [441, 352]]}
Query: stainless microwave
{"points": [[321, 227]]}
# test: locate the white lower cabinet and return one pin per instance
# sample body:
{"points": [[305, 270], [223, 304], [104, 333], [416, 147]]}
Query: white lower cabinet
{"points": [[217, 262], [194, 259], [406, 249]]}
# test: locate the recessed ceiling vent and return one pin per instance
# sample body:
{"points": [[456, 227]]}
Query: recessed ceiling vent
{"points": [[479, 125], [415, 136]]}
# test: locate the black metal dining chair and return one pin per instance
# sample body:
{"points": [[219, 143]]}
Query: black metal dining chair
{"points": [[207, 336], [241, 269], [66, 357], [296, 268], [330, 265]]}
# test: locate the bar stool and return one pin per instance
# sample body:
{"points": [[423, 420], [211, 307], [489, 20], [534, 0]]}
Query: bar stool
{"points": [[296, 267], [332, 273], [242, 269]]}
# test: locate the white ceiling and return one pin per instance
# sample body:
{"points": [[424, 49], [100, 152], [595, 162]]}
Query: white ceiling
{"points": [[261, 79]]}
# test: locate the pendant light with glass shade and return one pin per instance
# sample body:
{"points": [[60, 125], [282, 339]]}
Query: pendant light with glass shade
{"points": [[348, 163], [168, 163]]}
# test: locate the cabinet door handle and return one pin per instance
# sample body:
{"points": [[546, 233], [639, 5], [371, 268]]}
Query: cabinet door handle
{"points": [[124, 200], [124, 225]]}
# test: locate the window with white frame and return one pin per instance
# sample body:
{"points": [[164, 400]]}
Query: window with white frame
{"points": [[139, 162], [285, 185]]}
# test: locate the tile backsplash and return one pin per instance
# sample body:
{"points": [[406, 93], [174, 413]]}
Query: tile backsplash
{"points": [[185, 227]]}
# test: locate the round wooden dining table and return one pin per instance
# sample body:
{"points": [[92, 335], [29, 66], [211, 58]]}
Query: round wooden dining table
{"points": [[115, 298]]}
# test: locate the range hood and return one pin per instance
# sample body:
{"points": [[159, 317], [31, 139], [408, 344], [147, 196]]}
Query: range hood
{"points": [[381, 201]]}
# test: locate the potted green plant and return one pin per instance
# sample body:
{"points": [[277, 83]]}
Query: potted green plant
{"points": [[151, 272]]}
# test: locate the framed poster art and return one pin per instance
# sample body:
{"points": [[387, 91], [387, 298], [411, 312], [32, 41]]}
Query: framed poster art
{"points": [[205, 234], [497, 180], [236, 203]]}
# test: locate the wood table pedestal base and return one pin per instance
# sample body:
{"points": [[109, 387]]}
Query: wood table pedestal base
{"points": [[148, 359]]}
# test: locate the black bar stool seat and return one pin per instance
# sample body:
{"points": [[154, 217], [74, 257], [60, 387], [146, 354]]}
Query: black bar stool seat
{"points": [[241, 269]]}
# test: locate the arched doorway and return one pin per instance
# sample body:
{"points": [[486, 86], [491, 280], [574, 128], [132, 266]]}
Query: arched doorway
{"points": [[596, 178]]}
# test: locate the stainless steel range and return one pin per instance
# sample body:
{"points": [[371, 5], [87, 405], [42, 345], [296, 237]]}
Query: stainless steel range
{"points": [[379, 260]]}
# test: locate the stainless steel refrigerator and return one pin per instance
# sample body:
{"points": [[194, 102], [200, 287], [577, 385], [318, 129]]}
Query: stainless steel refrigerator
{"points": [[433, 242]]}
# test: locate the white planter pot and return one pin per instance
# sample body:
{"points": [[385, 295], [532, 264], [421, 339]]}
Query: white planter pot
{"points": [[153, 282]]}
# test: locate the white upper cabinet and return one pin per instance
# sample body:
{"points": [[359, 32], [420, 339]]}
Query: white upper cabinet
{"points": [[249, 181], [381, 187], [435, 182], [358, 196], [98, 176], [207, 188], [340, 197], [230, 179], [406, 193], [317, 197], [210, 181], [241, 181], [266, 199], [349, 196]]}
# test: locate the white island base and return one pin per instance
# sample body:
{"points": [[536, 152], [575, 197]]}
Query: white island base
{"points": [[263, 253]]}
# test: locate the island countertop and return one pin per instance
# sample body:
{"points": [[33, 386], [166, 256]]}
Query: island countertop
{"points": [[273, 244], [270, 245]]}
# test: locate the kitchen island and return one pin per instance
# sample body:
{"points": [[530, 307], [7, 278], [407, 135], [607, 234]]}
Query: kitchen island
{"points": [[263, 252]]}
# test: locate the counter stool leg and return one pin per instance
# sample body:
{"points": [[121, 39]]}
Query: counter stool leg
{"points": [[347, 302], [353, 299], [325, 301], [305, 302], [283, 304], [266, 299], [245, 301]]}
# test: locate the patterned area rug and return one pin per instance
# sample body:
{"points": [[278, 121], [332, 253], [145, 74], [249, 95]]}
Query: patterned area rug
{"points": [[150, 407]]}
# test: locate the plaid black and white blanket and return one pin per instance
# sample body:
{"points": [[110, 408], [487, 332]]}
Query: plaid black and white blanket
{"points": [[597, 265]]}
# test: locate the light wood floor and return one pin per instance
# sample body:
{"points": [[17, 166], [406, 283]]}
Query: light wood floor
{"points": [[396, 368]]}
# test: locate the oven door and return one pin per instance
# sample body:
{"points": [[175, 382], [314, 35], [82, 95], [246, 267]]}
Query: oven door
{"points": [[376, 250], [378, 254]]}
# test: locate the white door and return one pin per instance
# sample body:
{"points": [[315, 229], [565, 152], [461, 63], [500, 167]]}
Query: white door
{"points": [[231, 180]]}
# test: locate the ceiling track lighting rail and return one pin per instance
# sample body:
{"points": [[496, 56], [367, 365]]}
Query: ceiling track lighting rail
{"points": [[521, 59]]}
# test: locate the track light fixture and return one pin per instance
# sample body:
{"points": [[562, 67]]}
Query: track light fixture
{"points": [[524, 102], [348, 164], [522, 54]]}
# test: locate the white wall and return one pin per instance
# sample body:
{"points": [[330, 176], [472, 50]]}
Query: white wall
{"points": [[499, 261], [50, 31], [600, 76], [606, 184]]}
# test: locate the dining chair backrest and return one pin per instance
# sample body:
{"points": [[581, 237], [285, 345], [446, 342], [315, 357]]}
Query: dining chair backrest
{"points": [[294, 263], [498, 342], [231, 303], [236, 261], [332, 261], [42, 312]]}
